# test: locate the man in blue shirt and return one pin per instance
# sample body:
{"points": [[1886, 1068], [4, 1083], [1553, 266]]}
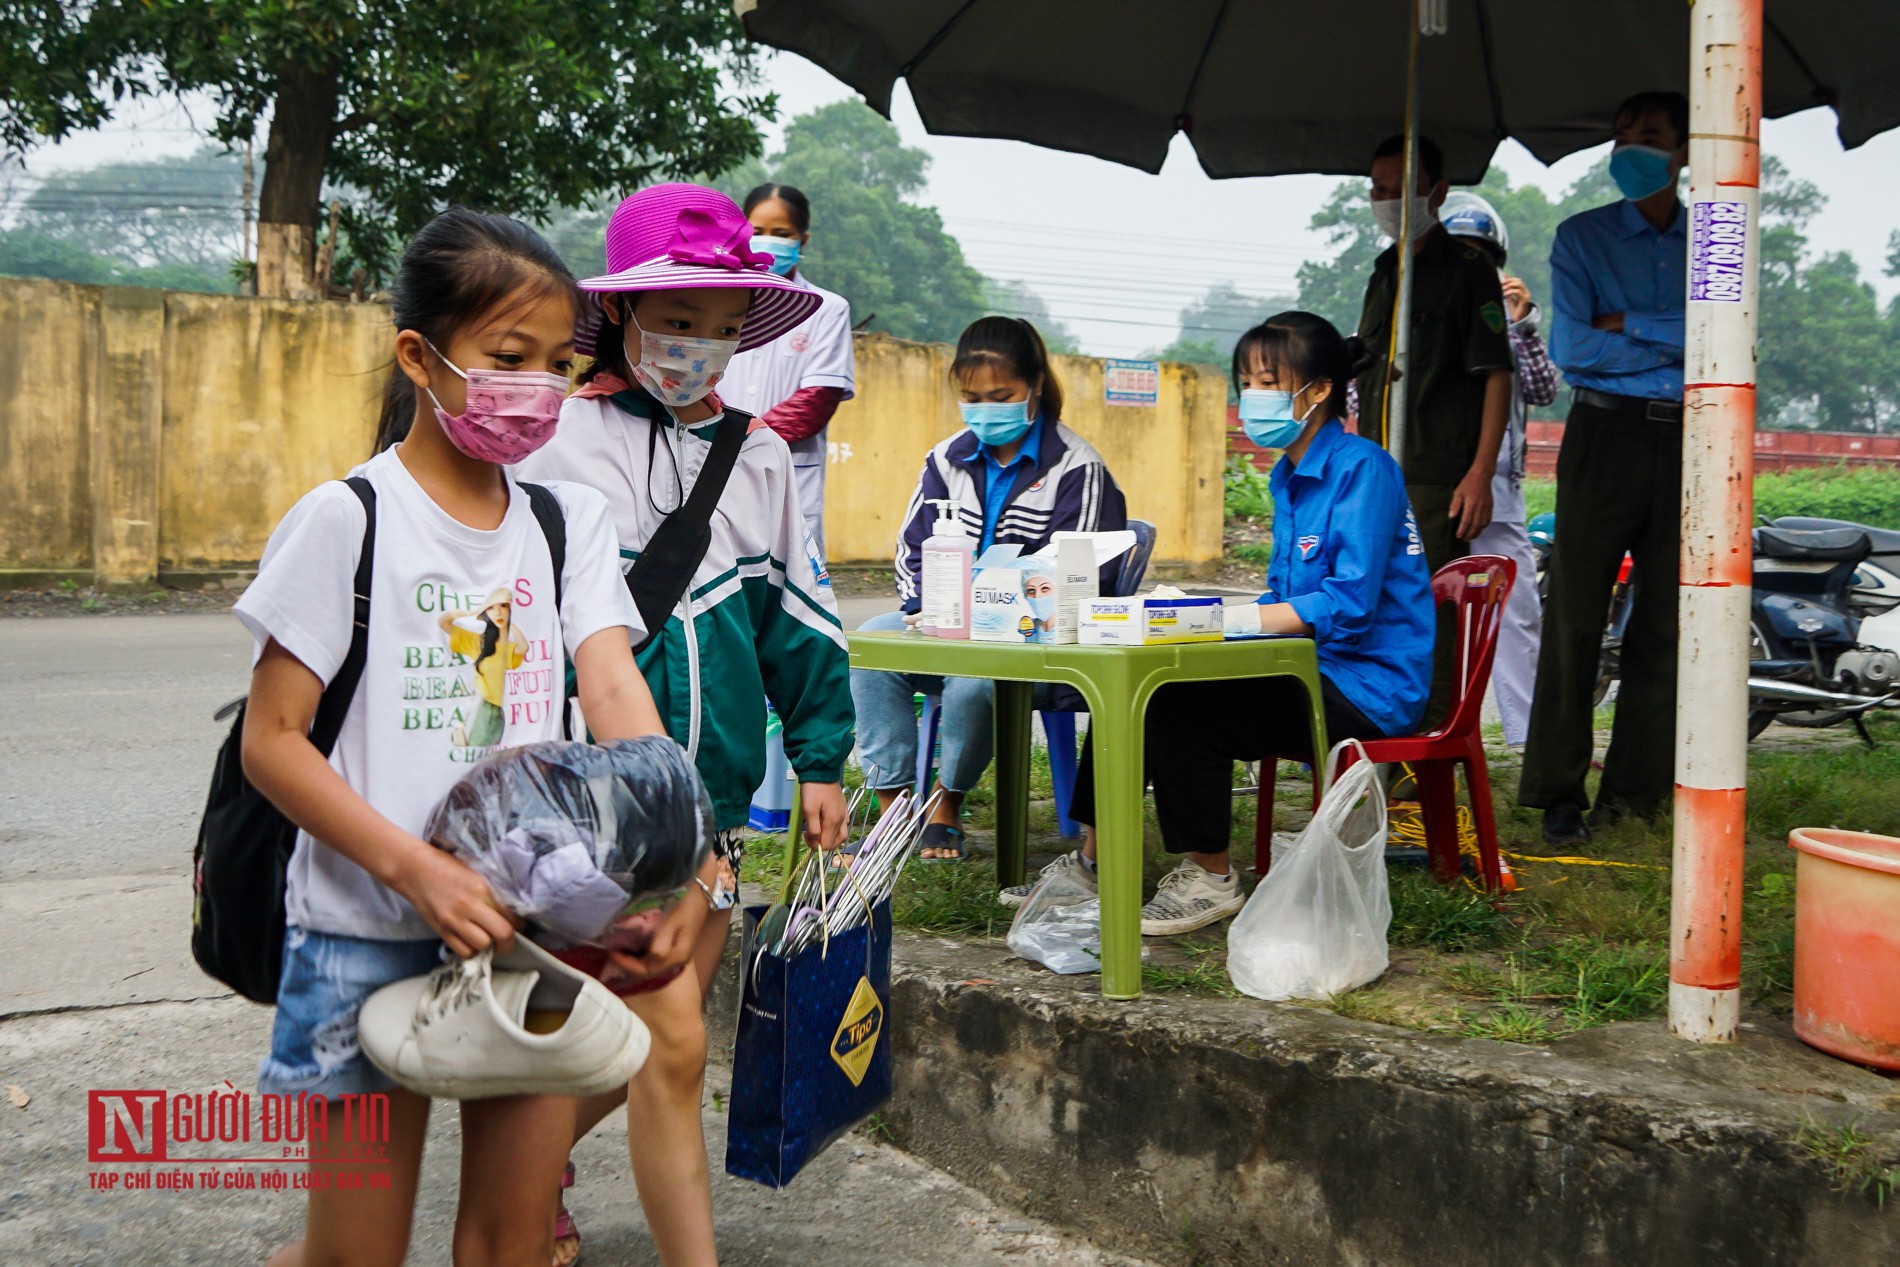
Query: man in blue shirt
{"points": [[1617, 293]]}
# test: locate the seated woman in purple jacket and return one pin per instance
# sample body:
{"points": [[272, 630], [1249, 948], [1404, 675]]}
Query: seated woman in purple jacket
{"points": [[1017, 475]]}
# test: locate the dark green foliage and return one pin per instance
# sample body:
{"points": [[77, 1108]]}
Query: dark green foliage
{"points": [[496, 104], [869, 242]]}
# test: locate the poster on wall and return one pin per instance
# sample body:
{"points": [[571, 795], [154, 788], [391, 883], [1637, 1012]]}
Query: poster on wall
{"points": [[1131, 382]]}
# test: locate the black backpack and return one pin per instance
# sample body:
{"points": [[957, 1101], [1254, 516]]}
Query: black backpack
{"points": [[245, 842]]}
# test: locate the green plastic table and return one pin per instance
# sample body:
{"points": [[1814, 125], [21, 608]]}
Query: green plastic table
{"points": [[1117, 682]]}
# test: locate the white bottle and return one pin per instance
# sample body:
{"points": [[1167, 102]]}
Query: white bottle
{"points": [[949, 555]]}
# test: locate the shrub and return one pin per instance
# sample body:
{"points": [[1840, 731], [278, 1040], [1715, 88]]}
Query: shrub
{"points": [[1861, 494], [1244, 490]]}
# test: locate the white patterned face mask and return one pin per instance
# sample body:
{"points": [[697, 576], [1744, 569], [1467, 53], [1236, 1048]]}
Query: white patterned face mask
{"points": [[677, 368]]}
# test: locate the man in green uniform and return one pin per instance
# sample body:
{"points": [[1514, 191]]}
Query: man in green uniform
{"points": [[1458, 380]]}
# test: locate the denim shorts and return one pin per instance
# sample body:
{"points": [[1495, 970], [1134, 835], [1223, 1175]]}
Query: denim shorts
{"points": [[313, 1046]]}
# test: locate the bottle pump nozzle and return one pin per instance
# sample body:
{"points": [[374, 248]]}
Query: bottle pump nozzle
{"points": [[947, 522]]}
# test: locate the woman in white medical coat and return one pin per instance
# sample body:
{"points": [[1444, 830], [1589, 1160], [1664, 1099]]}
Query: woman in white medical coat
{"points": [[795, 383]]}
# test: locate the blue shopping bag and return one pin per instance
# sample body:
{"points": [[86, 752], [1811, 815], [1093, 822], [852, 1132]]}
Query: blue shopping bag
{"points": [[812, 1059]]}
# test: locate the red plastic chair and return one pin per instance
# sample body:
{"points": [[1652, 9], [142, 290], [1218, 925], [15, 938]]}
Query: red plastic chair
{"points": [[1477, 586]]}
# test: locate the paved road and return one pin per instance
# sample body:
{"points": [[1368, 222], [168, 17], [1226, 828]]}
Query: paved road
{"points": [[102, 775]]}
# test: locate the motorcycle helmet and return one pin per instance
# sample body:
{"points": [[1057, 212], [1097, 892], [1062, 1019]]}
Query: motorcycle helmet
{"points": [[1466, 215]]}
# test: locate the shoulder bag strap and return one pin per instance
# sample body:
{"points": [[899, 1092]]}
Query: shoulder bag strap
{"points": [[666, 566], [337, 696]]}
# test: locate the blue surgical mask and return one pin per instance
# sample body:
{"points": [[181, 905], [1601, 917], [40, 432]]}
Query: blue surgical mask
{"points": [[1266, 415], [996, 421], [784, 252], [1640, 170], [1043, 606]]}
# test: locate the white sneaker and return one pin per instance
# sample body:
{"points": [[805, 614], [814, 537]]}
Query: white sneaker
{"points": [[1070, 863], [461, 1031], [1190, 898]]}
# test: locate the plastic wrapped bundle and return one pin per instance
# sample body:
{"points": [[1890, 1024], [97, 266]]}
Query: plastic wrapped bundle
{"points": [[581, 839]]}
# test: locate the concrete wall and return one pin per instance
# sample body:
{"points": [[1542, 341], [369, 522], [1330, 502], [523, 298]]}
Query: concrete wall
{"points": [[146, 433]]}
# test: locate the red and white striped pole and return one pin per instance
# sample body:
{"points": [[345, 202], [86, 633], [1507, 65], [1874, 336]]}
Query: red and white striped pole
{"points": [[1718, 467]]}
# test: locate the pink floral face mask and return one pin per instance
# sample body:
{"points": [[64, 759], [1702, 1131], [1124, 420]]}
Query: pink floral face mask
{"points": [[508, 415]]}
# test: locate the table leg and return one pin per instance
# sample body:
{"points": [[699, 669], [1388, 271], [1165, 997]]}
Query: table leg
{"points": [[1118, 791], [1012, 781]]}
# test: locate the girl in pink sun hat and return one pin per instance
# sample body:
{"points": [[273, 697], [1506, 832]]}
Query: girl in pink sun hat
{"points": [[741, 611]]}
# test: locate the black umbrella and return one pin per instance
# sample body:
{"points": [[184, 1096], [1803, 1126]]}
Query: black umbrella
{"points": [[1266, 87]]}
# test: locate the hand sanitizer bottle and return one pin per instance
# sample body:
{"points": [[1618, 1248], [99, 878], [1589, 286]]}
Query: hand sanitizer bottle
{"points": [[949, 553]]}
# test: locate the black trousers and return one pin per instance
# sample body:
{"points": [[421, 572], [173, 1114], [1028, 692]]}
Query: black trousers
{"points": [[1194, 734], [1619, 489]]}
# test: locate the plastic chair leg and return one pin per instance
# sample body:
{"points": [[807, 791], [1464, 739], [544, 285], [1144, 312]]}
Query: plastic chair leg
{"points": [[1060, 730], [1483, 817], [1438, 801], [927, 744]]}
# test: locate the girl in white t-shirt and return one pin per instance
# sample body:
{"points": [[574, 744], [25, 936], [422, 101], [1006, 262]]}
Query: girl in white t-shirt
{"points": [[485, 316]]}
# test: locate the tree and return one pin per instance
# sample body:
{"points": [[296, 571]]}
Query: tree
{"points": [[1016, 299], [889, 256], [407, 105], [1828, 356], [181, 219]]}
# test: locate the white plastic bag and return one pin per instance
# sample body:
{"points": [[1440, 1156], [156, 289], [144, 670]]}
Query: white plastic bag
{"points": [[1059, 926], [1316, 925]]}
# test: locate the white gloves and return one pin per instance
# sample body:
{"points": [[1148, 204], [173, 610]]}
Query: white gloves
{"points": [[1241, 620]]}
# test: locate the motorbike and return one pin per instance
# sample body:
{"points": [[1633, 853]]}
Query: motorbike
{"points": [[1824, 623]]}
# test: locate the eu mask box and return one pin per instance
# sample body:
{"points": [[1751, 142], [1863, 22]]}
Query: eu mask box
{"points": [[1013, 597], [1137, 622]]}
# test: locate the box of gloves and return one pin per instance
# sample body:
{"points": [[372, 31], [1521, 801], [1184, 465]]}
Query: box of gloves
{"points": [[1166, 615]]}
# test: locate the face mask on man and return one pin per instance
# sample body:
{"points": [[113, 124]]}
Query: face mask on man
{"points": [[1386, 213], [679, 369], [1266, 415], [1640, 170], [784, 252], [507, 414], [996, 421]]}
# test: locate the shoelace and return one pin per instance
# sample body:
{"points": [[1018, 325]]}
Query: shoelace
{"points": [[451, 987]]}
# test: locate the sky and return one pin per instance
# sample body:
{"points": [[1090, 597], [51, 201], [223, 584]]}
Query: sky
{"points": [[1115, 252]]}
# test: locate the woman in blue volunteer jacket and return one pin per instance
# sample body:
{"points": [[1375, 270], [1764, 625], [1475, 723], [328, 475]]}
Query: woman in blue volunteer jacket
{"points": [[1348, 570], [1017, 475]]}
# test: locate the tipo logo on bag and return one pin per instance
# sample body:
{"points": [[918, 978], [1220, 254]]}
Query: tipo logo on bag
{"points": [[856, 1039]]}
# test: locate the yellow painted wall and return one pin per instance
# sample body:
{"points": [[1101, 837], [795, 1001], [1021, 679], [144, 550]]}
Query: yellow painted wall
{"points": [[48, 336], [1167, 459], [144, 432], [263, 400]]}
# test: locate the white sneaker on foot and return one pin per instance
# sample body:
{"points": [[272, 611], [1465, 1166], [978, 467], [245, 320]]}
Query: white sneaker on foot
{"points": [[1070, 863], [1190, 898], [461, 1031]]}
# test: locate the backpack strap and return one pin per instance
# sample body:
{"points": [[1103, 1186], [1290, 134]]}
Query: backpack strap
{"points": [[338, 695], [547, 513]]}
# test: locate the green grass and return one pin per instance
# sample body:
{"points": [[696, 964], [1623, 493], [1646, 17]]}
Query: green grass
{"points": [[1847, 1154], [1204, 973], [1427, 913]]}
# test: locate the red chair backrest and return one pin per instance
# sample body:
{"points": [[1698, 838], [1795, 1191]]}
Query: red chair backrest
{"points": [[1476, 586]]}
